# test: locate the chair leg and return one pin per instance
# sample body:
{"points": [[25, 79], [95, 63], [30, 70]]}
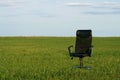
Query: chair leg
{"points": [[81, 62]]}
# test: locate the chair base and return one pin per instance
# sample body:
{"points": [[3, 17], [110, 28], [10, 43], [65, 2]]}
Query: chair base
{"points": [[82, 67], [81, 64]]}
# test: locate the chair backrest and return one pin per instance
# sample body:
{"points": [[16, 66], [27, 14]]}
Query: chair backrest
{"points": [[83, 41]]}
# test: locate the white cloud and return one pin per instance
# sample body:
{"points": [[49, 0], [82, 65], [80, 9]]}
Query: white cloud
{"points": [[10, 3], [27, 8], [93, 4], [97, 7], [102, 12], [79, 4]]}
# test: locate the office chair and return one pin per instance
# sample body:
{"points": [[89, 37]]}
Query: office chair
{"points": [[83, 45]]}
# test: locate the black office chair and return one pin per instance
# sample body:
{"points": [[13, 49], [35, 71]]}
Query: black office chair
{"points": [[83, 45]]}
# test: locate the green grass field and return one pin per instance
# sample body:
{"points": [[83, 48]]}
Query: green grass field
{"points": [[47, 58]]}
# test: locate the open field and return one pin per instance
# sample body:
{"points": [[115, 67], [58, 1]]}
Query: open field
{"points": [[47, 58]]}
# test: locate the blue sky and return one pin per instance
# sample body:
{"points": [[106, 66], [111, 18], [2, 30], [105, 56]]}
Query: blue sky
{"points": [[59, 17]]}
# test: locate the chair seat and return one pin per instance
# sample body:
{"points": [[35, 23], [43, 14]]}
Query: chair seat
{"points": [[79, 54]]}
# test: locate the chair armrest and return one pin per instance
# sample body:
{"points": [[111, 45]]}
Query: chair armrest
{"points": [[90, 50], [92, 46], [70, 52], [69, 49]]}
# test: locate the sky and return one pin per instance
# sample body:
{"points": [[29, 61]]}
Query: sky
{"points": [[59, 17]]}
